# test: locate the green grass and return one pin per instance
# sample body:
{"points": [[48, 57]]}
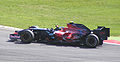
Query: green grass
{"points": [[47, 13]]}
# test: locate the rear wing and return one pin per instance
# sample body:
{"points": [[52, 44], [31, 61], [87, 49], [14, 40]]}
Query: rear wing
{"points": [[101, 30], [107, 30]]}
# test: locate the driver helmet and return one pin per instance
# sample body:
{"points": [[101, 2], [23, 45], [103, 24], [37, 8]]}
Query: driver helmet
{"points": [[57, 26]]}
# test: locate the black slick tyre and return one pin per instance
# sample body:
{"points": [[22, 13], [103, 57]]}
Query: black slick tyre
{"points": [[27, 36], [92, 41]]}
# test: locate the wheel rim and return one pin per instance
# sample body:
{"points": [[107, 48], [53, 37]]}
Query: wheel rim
{"points": [[25, 36], [92, 41]]}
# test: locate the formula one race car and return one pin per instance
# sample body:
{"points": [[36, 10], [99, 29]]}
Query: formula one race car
{"points": [[73, 33]]}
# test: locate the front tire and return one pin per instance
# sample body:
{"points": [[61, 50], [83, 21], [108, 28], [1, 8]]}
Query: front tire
{"points": [[92, 41], [27, 36]]}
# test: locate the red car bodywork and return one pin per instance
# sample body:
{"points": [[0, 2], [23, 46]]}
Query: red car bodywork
{"points": [[70, 33]]}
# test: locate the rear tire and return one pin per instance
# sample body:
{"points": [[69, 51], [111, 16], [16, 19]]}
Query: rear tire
{"points": [[92, 41], [27, 36]]}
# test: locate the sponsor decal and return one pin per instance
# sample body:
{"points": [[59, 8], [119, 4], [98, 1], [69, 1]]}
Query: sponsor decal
{"points": [[14, 36]]}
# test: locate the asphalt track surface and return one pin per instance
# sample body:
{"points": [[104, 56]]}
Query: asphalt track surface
{"points": [[38, 52]]}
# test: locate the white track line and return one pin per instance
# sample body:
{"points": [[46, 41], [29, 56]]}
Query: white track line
{"points": [[9, 28]]}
